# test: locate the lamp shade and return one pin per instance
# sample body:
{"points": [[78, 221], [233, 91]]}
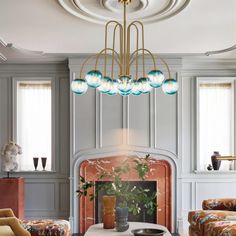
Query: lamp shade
{"points": [[125, 84], [105, 84], [135, 89], [93, 78], [156, 78], [170, 86], [79, 86], [114, 88], [144, 85], [125, 94]]}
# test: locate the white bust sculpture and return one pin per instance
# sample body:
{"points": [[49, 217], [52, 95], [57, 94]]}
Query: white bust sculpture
{"points": [[9, 153]]}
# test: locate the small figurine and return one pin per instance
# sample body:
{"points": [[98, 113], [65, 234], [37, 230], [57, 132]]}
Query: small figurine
{"points": [[9, 153], [209, 167]]}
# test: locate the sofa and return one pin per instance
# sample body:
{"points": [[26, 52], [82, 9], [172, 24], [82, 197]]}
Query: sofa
{"points": [[11, 226], [218, 218]]}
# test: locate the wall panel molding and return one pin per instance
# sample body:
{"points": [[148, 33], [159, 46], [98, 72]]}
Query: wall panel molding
{"points": [[48, 182]]}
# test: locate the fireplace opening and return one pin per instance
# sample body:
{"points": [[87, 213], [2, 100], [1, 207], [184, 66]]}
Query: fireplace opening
{"points": [[142, 217]]}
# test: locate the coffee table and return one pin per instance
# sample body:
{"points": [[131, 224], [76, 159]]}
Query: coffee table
{"points": [[99, 231]]}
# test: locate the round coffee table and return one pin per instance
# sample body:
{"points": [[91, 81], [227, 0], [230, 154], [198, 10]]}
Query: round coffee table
{"points": [[99, 231]]}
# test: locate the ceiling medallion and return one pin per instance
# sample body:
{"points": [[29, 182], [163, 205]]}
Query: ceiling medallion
{"points": [[118, 57], [100, 11]]}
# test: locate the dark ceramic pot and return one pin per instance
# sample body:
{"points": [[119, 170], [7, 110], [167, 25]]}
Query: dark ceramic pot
{"points": [[215, 163], [122, 219]]}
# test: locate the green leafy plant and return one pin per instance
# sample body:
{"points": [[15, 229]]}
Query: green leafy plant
{"points": [[136, 198]]}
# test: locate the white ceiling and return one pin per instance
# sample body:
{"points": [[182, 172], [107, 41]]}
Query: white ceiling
{"points": [[43, 25]]}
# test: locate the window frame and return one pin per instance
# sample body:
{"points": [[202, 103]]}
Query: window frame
{"points": [[199, 80], [15, 80]]}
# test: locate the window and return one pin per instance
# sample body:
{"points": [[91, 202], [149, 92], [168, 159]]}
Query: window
{"points": [[33, 124], [215, 120]]}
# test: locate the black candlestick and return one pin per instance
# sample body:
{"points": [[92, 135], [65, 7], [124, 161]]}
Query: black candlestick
{"points": [[36, 161]]}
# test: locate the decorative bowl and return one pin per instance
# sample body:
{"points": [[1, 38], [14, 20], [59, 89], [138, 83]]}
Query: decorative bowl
{"points": [[148, 232]]}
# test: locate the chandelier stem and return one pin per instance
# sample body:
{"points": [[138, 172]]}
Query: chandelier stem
{"points": [[125, 42]]}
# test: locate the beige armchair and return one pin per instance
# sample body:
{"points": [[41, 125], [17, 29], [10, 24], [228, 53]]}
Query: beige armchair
{"points": [[10, 225]]}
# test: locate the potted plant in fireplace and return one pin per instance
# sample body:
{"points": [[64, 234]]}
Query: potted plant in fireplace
{"points": [[129, 197]]}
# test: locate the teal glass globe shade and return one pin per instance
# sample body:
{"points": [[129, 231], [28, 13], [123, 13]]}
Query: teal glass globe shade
{"points": [[156, 78], [79, 86], [144, 85], [93, 78], [125, 94], [170, 86], [114, 88], [125, 84], [135, 90], [105, 85]]}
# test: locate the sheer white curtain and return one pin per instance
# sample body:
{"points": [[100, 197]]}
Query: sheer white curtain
{"points": [[34, 123], [215, 108]]}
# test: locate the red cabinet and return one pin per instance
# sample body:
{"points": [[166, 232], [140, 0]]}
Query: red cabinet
{"points": [[12, 195]]}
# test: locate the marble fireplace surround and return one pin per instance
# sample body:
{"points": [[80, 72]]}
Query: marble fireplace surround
{"points": [[165, 163]]}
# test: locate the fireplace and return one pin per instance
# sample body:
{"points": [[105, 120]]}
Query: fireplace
{"points": [[151, 185], [160, 177]]}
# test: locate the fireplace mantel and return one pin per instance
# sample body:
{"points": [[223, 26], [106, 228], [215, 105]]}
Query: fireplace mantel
{"points": [[167, 161]]}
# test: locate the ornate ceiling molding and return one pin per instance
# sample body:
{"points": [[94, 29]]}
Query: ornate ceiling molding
{"points": [[10, 51], [100, 11]]}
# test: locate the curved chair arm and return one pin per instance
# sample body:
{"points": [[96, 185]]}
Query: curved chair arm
{"points": [[226, 204], [7, 212], [15, 226]]}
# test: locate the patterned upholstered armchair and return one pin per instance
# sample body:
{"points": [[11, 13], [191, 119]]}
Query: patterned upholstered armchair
{"points": [[218, 218], [11, 226]]}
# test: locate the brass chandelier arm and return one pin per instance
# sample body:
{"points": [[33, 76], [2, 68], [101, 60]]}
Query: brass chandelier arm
{"points": [[167, 67], [143, 43], [144, 50], [128, 47], [106, 39], [96, 55], [101, 53], [84, 63], [121, 47]]}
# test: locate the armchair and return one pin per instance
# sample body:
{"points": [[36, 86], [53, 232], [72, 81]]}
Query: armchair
{"points": [[10, 225], [218, 217]]}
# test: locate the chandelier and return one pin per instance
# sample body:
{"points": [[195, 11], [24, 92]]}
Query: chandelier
{"points": [[123, 59]]}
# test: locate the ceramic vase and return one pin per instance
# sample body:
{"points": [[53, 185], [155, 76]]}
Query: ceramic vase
{"points": [[215, 163], [122, 219], [109, 203]]}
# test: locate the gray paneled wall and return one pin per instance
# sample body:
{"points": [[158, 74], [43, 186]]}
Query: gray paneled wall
{"points": [[46, 194], [198, 186]]}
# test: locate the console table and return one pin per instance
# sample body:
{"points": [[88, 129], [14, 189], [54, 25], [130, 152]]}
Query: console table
{"points": [[12, 195], [99, 231]]}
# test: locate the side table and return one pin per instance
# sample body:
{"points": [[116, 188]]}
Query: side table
{"points": [[12, 195]]}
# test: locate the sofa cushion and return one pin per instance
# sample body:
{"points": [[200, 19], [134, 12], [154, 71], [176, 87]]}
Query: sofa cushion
{"points": [[228, 204], [47, 227], [220, 228], [198, 219], [6, 231]]}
